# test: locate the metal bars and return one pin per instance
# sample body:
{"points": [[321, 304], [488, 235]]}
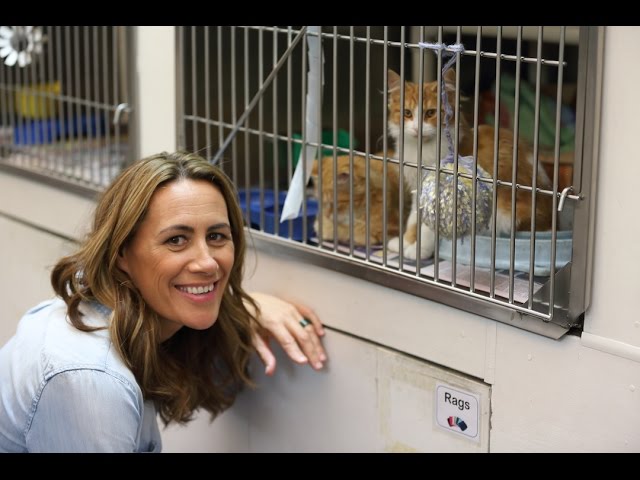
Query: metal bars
{"points": [[515, 76], [64, 115]]}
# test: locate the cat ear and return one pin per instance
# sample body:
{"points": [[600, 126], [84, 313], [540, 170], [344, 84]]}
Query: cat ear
{"points": [[393, 80], [450, 80]]}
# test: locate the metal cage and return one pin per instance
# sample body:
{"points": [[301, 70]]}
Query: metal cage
{"points": [[265, 101], [65, 96]]}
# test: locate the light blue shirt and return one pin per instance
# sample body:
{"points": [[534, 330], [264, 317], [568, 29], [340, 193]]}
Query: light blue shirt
{"points": [[64, 390]]}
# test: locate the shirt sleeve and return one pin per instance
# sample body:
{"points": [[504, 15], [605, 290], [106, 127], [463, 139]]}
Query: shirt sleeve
{"points": [[86, 410]]}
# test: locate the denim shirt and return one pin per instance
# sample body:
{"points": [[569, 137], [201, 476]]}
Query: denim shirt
{"points": [[64, 390]]}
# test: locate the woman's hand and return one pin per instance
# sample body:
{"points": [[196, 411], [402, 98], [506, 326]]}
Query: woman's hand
{"points": [[286, 322]]}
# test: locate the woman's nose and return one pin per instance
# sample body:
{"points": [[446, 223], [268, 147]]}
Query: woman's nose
{"points": [[203, 260]]}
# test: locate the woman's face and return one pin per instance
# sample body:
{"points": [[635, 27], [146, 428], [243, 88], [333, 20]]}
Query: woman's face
{"points": [[181, 257]]}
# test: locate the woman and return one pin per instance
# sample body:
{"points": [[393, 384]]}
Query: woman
{"points": [[150, 316]]}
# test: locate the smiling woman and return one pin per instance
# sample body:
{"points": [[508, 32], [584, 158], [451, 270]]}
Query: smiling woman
{"points": [[186, 236], [158, 319]]}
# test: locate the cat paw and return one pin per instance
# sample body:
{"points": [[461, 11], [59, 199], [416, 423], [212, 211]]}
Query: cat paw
{"points": [[428, 245], [393, 245], [426, 250], [410, 251]]}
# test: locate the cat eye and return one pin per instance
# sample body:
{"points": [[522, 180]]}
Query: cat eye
{"points": [[408, 113], [430, 112]]}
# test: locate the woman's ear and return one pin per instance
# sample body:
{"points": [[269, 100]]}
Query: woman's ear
{"points": [[122, 261]]}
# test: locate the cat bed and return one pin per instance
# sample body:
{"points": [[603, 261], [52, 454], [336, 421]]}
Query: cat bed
{"points": [[542, 262], [270, 218]]}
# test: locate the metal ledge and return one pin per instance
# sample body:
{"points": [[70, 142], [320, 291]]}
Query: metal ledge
{"points": [[277, 246], [66, 184]]}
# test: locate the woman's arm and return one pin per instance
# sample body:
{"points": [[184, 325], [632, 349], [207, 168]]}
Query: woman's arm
{"points": [[86, 410], [284, 321]]}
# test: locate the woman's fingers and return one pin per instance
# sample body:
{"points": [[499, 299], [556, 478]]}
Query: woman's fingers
{"points": [[310, 343], [265, 353], [302, 344], [309, 314], [291, 345], [295, 327]]}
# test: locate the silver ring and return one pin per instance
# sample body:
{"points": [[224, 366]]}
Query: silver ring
{"points": [[304, 322]]}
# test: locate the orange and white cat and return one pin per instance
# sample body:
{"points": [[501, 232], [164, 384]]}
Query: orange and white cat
{"points": [[376, 196], [428, 125]]}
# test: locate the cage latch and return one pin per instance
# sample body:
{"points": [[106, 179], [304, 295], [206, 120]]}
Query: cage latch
{"points": [[563, 197], [119, 109]]}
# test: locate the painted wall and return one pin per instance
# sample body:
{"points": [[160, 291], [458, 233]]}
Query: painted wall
{"points": [[38, 224], [155, 72], [388, 349], [613, 314]]}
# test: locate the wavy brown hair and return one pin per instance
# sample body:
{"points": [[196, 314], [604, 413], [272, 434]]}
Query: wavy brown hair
{"points": [[194, 368]]}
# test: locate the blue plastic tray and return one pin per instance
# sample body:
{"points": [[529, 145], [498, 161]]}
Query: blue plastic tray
{"points": [[270, 218], [542, 263], [48, 130]]}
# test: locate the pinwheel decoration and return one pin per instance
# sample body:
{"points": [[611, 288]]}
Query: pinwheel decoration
{"points": [[20, 44]]}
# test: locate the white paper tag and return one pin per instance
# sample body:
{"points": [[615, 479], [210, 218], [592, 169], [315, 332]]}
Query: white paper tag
{"points": [[293, 201]]}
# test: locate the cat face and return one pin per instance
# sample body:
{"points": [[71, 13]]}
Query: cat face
{"points": [[410, 110]]}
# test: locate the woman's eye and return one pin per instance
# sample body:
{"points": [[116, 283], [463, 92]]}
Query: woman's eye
{"points": [[407, 113], [215, 237], [430, 112], [177, 240]]}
